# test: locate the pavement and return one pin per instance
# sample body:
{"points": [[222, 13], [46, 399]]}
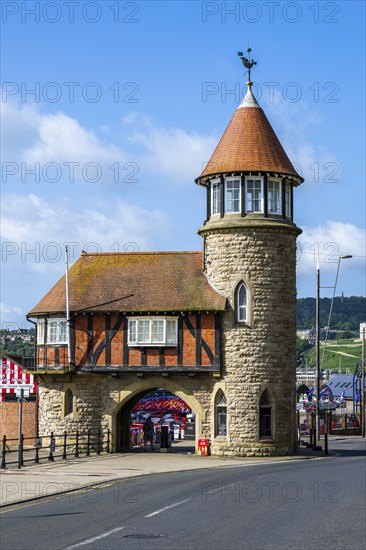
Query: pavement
{"points": [[51, 479]]}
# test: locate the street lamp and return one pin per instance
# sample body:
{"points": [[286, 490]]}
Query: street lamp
{"points": [[317, 330]]}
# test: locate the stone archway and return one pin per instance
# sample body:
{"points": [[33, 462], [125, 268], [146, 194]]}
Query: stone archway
{"points": [[132, 393]]}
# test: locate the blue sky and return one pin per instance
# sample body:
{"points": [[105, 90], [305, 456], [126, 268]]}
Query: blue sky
{"points": [[129, 100]]}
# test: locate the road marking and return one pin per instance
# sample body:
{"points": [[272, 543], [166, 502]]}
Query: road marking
{"points": [[166, 508], [89, 541], [225, 486]]}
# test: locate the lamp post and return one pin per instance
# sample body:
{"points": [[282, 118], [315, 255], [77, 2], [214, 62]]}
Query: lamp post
{"points": [[317, 330]]}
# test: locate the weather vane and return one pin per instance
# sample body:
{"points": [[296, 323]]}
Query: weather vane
{"points": [[247, 62]]}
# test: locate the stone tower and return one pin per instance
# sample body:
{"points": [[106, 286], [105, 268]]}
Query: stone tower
{"points": [[249, 244]]}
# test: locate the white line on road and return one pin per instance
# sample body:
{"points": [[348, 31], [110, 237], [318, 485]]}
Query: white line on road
{"points": [[166, 508], [89, 541]]}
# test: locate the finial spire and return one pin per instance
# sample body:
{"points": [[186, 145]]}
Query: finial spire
{"points": [[248, 64]]}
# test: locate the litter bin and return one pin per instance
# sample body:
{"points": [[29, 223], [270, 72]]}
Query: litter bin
{"points": [[165, 445]]}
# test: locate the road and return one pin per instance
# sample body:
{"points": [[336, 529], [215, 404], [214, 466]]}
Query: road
{"points": [[288, 505]]}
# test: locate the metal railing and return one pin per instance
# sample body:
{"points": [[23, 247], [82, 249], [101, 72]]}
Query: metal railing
{"points": [[49, 447]]}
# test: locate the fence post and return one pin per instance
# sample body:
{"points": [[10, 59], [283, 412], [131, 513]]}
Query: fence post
{"points": [[3, 453], [98, 443], [88, 444], [77, 444], [52, 448], [108, 440], [36, 458], [64, 446], [20, 451]]}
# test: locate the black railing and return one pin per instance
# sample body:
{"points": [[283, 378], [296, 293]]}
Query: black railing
{"points": [[49, 447]]}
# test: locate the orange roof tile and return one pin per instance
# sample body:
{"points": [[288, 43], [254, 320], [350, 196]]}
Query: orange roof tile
{"points": [[146, 282], [249, 144]]}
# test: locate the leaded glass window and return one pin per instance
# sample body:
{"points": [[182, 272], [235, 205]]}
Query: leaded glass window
{"points": [[242, 303], [221, 414]]}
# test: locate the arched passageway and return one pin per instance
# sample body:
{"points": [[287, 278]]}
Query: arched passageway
{"points": [[121, 418]]}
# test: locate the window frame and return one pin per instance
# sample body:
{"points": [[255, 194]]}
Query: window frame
{"points": [[288, 191], [238, 306], [69, 402], [41, 331], [279, 182], [221, 409], [227, 180], [215, 184], [57, 329], [136, 342], [265, 412], [247, 201]]}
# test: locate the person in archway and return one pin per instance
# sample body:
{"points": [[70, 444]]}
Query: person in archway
{"points": [[148, 428]]}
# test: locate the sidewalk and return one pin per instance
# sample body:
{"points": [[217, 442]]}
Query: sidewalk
{"points": [[54, 478]]}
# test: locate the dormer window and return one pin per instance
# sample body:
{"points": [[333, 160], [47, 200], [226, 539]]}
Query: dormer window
{"points": [[274, 196], [215, 197], [254, 194], [152, 331], [232, 195]]}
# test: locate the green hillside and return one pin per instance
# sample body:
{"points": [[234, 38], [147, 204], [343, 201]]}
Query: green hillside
{"points": [[343, 355], [347, 313]]}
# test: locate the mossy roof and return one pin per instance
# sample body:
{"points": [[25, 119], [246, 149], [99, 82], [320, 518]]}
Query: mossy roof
{"points": [[134, 282]]}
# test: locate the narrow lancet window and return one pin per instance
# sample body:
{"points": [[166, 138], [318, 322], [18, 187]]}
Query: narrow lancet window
{"points": [[242, 303]]}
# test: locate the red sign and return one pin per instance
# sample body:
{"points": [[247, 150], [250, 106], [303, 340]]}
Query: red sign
{"points": [[13, 377], [202, 447]]}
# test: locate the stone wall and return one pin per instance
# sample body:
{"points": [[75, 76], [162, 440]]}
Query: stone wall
{"points": [[99, 398], [260, 355]]}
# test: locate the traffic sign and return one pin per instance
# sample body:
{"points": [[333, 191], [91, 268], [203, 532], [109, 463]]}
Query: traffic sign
{"points": [[19, 391]]}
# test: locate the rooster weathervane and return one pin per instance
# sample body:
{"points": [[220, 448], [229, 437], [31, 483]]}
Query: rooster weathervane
{"points": [[247, 61]]}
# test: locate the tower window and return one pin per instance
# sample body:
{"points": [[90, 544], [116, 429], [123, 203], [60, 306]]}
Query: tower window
{"points": [[221, 414], [232, 195], [254, 192], [288, 200], [274, 196], [215, 197], [265, 416], [242, 303]]}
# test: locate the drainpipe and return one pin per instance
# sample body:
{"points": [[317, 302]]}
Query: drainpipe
{"points": [[68, 332], [35, 367]]}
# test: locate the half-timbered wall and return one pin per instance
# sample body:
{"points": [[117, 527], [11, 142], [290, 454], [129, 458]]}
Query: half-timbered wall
{"points": [[100, 343]]}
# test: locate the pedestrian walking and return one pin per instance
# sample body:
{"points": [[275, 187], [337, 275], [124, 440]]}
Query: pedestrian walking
{"points": [[148, 428]]}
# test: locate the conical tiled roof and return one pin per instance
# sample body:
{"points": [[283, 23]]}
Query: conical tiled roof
{"points": [[249, 144]]}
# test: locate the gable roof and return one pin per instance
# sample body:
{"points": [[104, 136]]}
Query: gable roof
{"points": [[249, 144], [134, 282]]}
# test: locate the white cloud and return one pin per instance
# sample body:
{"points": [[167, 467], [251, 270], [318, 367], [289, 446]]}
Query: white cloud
{"points": [[332, 239], [8, 313], [172, 152], [313, 161], [36, 235], [31, 136]]}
